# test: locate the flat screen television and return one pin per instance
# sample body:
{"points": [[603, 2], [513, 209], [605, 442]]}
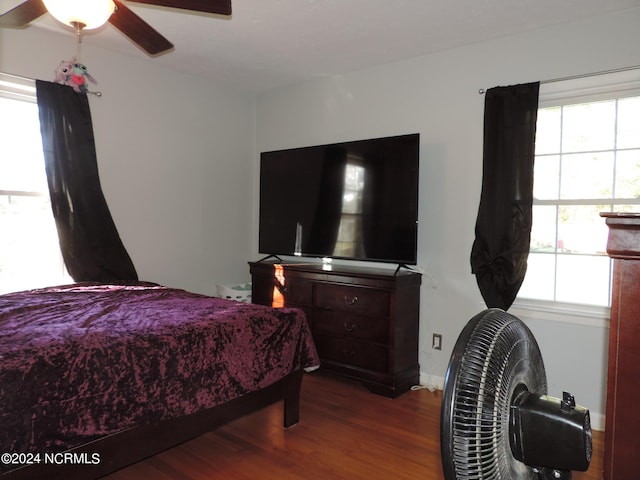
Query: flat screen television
{"points": [[354, 200]]}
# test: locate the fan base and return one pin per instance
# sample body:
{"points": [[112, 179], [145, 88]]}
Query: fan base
{"points": [[551, 474]]}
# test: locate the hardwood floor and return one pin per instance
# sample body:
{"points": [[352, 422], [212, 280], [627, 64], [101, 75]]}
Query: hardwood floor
{"points": [[345, 432]]}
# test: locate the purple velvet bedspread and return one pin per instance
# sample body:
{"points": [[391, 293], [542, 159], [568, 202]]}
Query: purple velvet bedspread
{"points": [[82, 361]]}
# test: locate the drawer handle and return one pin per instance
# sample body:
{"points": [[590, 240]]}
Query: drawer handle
{"points": [[350, 328], [348, 354], [350, 301]]}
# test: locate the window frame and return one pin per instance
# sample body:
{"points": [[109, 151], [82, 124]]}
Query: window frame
{"points": [[598, 87], [23, 89]]}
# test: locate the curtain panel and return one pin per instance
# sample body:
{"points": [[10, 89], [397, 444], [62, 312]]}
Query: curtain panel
{"points": [[503, 226], [91, 246], [324, 230]]}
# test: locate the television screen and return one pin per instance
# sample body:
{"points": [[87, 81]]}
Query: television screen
{"points": [[354, 200]]}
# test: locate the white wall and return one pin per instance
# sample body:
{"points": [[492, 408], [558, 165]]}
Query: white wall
{"points": [[438, 97], [175, 155]]}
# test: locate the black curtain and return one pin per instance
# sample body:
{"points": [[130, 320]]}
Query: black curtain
{"points": [[503, 227], [371, 236], [326, 223], [90, 244]]}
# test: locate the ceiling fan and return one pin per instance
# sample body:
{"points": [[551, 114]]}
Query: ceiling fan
{"points": [[117, 14]]}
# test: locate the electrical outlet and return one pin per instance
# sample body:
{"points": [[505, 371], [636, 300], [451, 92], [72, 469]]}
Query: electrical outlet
{"points": [[436, 343]]}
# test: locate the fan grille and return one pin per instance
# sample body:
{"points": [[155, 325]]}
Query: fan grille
{"points": [[499, 358]]}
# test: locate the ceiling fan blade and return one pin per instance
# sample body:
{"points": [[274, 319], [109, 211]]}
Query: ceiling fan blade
{"points": [[23, 14], [139, 31], [221, 7]]}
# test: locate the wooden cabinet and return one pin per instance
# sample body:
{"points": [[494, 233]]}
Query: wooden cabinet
{"points": [[622, 439], [364, 321]]}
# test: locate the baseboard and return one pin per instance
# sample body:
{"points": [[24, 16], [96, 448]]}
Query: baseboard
{"points": [[433, 382], [597, 421]]}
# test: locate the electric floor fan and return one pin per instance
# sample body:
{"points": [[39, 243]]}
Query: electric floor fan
{"points": [[497, 421]]}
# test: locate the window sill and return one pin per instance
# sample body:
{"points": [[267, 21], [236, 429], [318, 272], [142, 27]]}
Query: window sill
{"points": [[587, 315]]}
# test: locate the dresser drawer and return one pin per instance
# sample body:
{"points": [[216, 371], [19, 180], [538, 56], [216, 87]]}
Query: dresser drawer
{"points": [[358, 354], [297, 293], [375, 329], [355, 300]]}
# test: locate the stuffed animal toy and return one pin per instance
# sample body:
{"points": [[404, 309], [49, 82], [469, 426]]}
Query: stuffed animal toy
{"points": [[63, 71], [74, 75]]}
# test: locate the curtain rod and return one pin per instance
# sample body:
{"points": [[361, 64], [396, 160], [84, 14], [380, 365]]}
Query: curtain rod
{"points": [[30, 80], [582, 75]]}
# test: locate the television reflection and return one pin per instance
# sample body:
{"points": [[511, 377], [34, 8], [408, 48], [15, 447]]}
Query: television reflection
{"points": [[349, 240]]}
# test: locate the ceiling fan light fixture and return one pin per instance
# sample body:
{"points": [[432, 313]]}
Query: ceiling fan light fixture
{"points": [[88, 13]]}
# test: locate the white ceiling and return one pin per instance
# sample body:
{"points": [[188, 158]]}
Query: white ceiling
{"points": [[267, 44]]}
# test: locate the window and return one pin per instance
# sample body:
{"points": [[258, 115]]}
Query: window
{"points": [[587, 161], [349, 241], [29, 251]]}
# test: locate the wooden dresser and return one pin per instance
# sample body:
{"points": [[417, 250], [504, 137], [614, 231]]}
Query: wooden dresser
{"points": [[364, 321], [622, 429]]}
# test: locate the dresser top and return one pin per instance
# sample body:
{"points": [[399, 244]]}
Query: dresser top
{"points": [[621, 215], [337, 269], [624, 235]]}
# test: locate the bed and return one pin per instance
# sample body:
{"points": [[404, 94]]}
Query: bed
{"points": [[94, 377]]}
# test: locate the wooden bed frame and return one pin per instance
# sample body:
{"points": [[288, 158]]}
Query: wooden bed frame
{"points": [[130, 446]]}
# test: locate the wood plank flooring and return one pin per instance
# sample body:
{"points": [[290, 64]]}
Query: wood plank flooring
{"points": [[345, 432]]}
